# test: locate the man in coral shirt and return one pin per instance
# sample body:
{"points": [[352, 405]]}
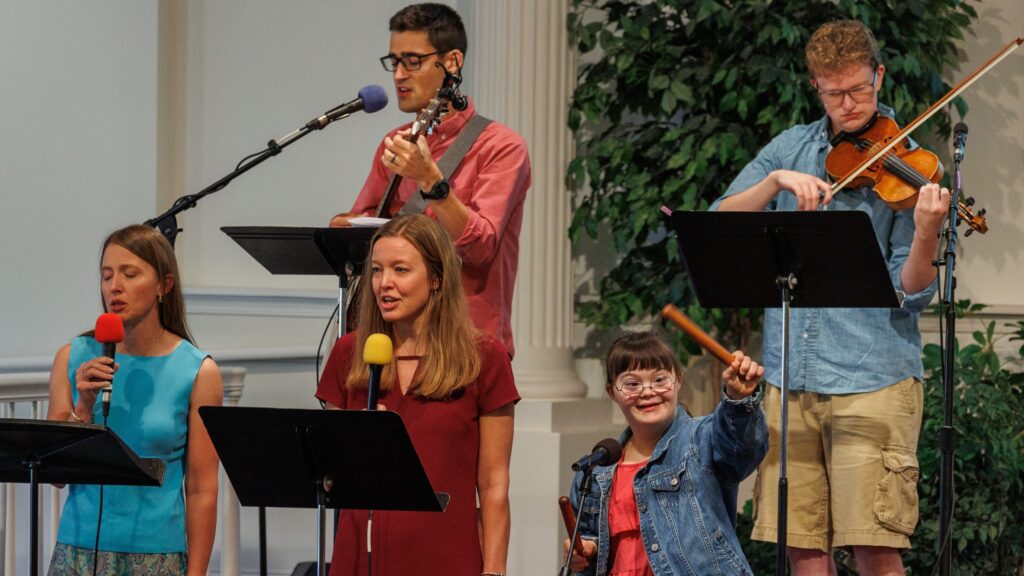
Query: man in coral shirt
{"points": [[481, 203]]}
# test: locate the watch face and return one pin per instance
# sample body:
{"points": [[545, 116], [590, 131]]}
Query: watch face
{"points": [[439, 191]]}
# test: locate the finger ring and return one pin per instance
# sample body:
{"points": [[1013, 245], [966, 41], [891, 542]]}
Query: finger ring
{"points": [[394, 157]]}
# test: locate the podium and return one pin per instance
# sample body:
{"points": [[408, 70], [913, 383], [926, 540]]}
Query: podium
{"points": [[39, 451], [828, 259], [350, 459], [308, 251]]}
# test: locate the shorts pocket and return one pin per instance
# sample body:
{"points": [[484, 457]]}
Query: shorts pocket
{"points": [[896, 495]]}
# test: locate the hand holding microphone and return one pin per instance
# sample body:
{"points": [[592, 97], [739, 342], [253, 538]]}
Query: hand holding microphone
{"points": [[98, 372]]}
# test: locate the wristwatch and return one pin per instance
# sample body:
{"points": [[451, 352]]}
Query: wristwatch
{"points": [[438, 191]]}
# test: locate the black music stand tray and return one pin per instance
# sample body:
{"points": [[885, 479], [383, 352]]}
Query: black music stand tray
{"points": [[39, 451], [308, 251], [285, 457], [789, 259]]}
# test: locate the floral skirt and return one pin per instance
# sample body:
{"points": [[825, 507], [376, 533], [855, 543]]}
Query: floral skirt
{"points": [[73, 561]]}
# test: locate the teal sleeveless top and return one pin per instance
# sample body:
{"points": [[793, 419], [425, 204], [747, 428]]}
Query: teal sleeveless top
{"points": [[149, 410]]}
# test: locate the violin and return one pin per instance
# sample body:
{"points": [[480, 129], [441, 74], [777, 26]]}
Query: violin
{"points": [[899, 174], [883, 152]]}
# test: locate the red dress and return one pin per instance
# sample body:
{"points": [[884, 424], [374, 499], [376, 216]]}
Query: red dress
{"points": [[446, 435]]}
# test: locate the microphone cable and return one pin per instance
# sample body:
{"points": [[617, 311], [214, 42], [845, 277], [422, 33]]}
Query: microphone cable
{"points": [[316, 369], [99, 520]]}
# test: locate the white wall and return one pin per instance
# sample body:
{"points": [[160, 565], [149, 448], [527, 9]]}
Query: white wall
{"points": [[77, 159], [991, 268]]}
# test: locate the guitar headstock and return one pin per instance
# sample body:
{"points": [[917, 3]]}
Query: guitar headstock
{"points": [[430, 117], [448, 96]]}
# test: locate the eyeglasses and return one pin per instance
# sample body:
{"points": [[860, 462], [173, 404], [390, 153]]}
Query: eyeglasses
{"points": [[859, 94], [409, 61], [632, 387]]}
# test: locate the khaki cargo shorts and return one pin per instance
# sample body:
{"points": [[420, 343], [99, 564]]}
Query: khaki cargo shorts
{"points": [[852, 468]]}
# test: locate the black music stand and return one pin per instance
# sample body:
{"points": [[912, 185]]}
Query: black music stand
{"points": [[789, 259], [305, 251], [308, 251], [39, 451], [286, 457]]}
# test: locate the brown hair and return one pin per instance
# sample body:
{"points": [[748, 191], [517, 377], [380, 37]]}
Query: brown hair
{"points": [[442, 24], [837, 45], [452, 361], [152, 247], [640, 351]]}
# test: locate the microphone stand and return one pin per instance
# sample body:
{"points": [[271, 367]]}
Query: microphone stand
{"points": [[167, 223], [947, 433], [584, 489]]}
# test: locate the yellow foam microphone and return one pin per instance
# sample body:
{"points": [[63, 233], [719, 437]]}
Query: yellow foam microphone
{"points": [[377, 352]]}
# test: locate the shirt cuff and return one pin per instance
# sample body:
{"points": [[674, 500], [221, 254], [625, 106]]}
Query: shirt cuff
{"points": [[750, 403]]}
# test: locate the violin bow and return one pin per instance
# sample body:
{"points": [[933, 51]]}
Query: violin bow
{"points": [[953, 93]]}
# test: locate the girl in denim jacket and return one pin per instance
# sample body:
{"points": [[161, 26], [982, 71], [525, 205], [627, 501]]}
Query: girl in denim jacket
{"points": [[669, 505]]}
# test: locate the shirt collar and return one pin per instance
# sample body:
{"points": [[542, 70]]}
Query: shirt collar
{"points": [[821, 128]]}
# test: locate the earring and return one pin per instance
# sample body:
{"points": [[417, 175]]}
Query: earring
{"points": [[160, 298]]}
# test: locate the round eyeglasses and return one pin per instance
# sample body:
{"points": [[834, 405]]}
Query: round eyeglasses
{"points": [[859, 94], [633, 387]]}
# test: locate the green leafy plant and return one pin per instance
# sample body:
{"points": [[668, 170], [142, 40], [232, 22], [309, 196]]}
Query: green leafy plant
{"points": [[674, 97]]}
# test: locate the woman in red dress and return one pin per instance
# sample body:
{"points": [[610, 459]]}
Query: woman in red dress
{"points": [[453, 388]]}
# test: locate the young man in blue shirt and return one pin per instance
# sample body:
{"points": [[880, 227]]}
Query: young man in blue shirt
{"points": [[856, 397]]}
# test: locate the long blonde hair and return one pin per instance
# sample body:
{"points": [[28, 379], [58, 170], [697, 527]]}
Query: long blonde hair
{"points": [[452, 361]]}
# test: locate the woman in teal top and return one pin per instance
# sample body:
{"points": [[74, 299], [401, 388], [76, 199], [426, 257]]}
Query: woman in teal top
{"points": [[159, 382]]}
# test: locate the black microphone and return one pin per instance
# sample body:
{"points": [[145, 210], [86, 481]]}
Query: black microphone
{"points": [[959, 141], [459, 101], [371, 99], [604, 453], [377, 351]]}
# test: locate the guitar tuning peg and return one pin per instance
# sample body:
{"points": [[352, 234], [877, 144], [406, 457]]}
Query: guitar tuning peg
{"points": [[969, 201], [982, 212], [968, 232]]}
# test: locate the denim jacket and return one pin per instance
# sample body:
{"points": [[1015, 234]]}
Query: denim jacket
{"points": [[840, 350], [686, 493]]}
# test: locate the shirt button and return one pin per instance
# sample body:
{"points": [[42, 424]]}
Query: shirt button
{"points": [[806, 335], [654, 547], [675, 481]]}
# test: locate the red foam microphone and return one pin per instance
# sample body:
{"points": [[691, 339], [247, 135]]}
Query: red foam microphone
{"points": [[109, 331]]}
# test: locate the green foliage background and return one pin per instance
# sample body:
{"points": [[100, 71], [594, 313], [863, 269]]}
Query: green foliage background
{"points": [[674, 97]]}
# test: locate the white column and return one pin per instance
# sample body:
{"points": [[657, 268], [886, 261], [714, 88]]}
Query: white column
{"points": [[230, 526], [520, 71]]}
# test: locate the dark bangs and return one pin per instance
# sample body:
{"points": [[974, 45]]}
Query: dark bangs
{"points": [[640, 351]]}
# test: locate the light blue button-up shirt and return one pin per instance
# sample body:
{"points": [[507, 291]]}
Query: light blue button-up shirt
{"points": [[840, 350]]}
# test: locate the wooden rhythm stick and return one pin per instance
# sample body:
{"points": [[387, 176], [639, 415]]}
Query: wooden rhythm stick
{"points": [[670, 312], [569, 518]]}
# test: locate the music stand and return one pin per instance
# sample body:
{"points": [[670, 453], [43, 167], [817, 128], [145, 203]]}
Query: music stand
{"points": [[789, 259], [364, 458], [308, 251], [39, 451]]}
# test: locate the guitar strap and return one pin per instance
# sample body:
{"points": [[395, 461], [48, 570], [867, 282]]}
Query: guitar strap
{"points": [[448, 164]]}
